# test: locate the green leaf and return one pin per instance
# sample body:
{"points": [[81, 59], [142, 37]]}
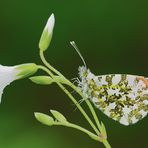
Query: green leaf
{"points": [[44, 119], [43, 80], [58, 116]]}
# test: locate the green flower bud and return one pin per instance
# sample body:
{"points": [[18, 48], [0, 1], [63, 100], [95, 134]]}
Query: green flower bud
{"points": [[44, 119], [58, 116], [43, 80], [47, 34]]}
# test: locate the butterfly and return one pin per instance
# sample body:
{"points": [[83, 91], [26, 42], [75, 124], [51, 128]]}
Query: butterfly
{"points": [[122, 97]]}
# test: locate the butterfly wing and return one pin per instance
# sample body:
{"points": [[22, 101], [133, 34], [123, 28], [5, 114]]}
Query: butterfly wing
{"points": [[121, 97]]}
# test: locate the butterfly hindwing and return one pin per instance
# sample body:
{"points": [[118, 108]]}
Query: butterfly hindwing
{"points": [[121, 97]]}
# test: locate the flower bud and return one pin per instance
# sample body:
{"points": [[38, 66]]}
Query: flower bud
{"points": [[47, 34], [44, 119], [58, 116], [42, 80]]}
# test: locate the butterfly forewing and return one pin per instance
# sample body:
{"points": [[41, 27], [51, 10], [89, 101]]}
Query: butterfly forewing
{"points": [[122, 97]]}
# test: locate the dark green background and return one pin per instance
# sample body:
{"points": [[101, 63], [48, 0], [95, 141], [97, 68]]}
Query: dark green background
{"points": [[112, 36]]}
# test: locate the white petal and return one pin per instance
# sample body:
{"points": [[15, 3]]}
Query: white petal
{"points": [[7, 75], [10, 73], [50, 24]]}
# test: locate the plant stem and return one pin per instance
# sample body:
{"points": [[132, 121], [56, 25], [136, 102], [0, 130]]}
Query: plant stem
{"points": [[72, 98], [74, 87], [93, 136], [106, 144], [89, 105]]}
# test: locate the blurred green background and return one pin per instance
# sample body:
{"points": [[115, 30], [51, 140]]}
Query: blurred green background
{"points": [[113, 38]]}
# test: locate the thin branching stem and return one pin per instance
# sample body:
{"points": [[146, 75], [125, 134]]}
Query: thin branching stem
{"points": [[104, 141], [72, 99], [93, 136], [74, 87], [89, 105]]}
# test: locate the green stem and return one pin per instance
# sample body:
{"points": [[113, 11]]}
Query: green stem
{"points": [[93, 136], [48, 65], [106, 144], [89, 105], [74, 87], [72, 99]]}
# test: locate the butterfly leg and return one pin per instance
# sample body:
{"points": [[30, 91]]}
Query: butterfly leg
{"points": [[75, 80]]}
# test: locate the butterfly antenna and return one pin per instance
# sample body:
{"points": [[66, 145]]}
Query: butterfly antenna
{"points": [[78, 51]]}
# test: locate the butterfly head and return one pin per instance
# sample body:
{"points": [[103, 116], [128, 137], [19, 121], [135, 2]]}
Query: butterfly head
{"points": [[83, 72], [86, 78]]}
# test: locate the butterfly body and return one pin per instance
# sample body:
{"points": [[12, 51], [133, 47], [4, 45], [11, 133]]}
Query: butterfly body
{"points": [[121, 97]]}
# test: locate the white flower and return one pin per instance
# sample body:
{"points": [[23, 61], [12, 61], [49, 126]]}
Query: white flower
{"points": [[47, 33], [10, 73]]}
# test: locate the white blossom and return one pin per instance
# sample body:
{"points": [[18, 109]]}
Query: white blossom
{"points": [[10, 73]]}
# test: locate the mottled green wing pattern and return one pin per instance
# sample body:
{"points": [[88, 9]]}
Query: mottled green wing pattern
{"points": [[121, 97]]}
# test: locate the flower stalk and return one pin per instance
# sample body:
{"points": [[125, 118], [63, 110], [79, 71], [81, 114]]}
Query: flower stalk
{"points": [[62, 121], [100, 136], [72, 99], [57, 77], [73, 87], [90, 134]]}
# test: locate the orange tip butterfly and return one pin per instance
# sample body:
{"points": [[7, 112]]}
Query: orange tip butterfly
{"points": [[122, 97]]}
